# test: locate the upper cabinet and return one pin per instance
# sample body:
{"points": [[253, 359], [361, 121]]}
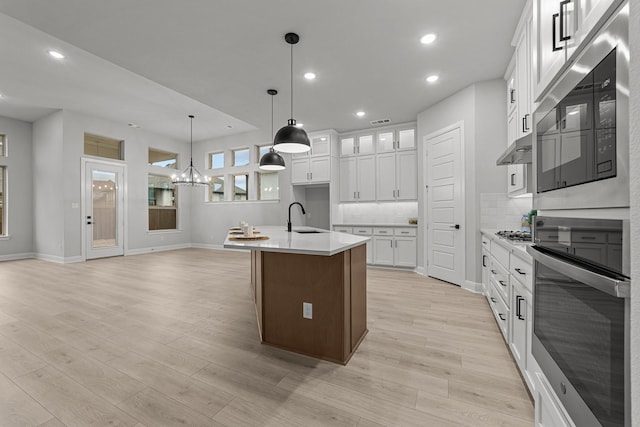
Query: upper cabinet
{"points": [[523, 81], [317, 165], [320, 146], [388, 141], [560, 28], [356, 145]]}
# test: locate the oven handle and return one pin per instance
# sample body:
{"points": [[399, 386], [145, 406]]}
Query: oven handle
{"points": [[617, 288]]}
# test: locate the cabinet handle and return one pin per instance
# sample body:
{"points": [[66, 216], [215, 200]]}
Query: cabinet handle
{"points": [[520, 272], [501, 316], [494, 272], [502, 283], [493, 299], [354, 194], [563, 8], [526, 122], [553, 32], [310, 176], [519, 299], [398, 193], [512, 94], [391, 243], [484, 257], [513, 179], [358, 194]]}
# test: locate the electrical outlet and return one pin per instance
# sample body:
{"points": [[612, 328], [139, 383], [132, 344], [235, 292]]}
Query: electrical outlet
{"points": [[307, 310]]}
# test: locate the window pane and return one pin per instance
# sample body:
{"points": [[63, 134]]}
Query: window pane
{"points": [[262, 151], [241, 157], [163, 159], [101, 146], [2, 144], [2, 209], [162, 203], [105, 230], [216, 192], [269, 189], [241, 187], [217, 160]]}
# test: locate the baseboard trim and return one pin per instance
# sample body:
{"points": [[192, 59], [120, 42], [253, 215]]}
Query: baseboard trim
{"points": [[421, 271], [207, 246], [73, 259], [141, 251], [50, 258], [474, 287], [14, 257]]}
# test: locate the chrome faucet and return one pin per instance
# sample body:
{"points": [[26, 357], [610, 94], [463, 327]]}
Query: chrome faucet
{"points": [[289, 221]]}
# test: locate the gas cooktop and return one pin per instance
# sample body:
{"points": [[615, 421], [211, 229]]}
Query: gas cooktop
{"points": [[515, 236]]}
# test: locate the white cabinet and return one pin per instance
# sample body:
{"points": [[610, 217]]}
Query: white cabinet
{"points": [[510, 77], [517, 179], [523, 81], [549, 411], [395, 246], [366, 231], [402, 138], [405, 251], [311, 171], [320, 146], [360, 144], [520, 325], [383, 250], [397, 177], [591, 12], [357, 179]]}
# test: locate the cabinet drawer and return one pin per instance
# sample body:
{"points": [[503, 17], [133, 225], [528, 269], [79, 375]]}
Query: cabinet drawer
{"points": [[500, 310], [343, 229], [501, 254], [486, 242], [363, 231], [522, 270], [382, 231], [500, 276], [409, 232]]}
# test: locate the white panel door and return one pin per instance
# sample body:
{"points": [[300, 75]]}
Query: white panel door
{"points": [[366, 178], [299, 171], [104, 210], [383, 250], [407, 175], [445, 207], [386, 177], [348, 179], [320, 169]]}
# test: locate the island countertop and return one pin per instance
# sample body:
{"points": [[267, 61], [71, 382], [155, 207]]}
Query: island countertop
{"points": [[280, 240]]}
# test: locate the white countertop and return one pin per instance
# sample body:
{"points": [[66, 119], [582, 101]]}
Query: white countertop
{"points": [[351, 224], [324, 243]]}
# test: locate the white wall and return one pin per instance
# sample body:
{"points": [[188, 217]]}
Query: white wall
{"points": [[634, 172], [19, 189], [482, 109], [210, 221]]}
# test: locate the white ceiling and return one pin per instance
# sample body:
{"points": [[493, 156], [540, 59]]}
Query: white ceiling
{"points": [[153, 62]]}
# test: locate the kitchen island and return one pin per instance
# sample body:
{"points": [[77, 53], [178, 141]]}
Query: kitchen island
{"points": [[310, 290]]}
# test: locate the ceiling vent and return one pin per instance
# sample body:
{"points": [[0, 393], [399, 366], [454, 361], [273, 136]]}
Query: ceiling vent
{"points": [[380, 122]]}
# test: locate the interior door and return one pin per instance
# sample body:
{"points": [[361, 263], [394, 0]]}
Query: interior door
{"points": [[445, 207], [104, 210]]}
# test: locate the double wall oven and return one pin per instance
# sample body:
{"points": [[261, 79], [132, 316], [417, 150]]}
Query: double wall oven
{"points": [[582, 266]]}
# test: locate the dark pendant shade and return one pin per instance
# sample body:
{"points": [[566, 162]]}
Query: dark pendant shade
{"points": [[272, 161], [291, 139]]}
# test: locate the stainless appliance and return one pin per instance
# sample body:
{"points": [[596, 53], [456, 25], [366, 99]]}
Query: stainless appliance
{"points": [[582, 130], [515, 236], [581, 315]]}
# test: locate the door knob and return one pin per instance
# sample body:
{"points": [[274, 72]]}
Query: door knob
{"points": [[457, 226]]}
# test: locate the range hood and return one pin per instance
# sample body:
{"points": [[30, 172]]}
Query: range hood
{"points": [[517, 153]]}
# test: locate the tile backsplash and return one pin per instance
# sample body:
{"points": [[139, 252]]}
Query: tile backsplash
{"points": [[376, 213], [499, 211]]}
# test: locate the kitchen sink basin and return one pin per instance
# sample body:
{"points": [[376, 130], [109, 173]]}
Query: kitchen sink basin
{"points": [[308, 231]]}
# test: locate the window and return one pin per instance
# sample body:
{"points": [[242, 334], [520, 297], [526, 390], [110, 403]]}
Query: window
{"points": [[216, 189], [240, 187], [101, 146], [262, 150], [217, 160], [163, 159], [241, 157], [2, 204], [2, 145], [268, 186], [162, 203]]}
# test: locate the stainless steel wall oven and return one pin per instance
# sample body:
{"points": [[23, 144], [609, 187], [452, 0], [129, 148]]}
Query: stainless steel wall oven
{"points": [[581, 315]]}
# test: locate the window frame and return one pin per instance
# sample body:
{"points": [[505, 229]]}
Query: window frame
{"points": [[97, 156], [175, 164], [3, 145], [210, 159], [259, 186], [233, 183], [210, 189], [176, 198], [233, 157], [3, 202], [259, 147]]}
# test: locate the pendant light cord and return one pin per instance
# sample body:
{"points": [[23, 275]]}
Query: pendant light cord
{"points": [[271, 117], [291, 82], [191, 117]]}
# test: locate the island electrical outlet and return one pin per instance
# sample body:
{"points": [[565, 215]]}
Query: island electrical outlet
{"points": [[307, 310]]}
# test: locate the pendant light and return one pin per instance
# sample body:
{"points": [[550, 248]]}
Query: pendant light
{"points": [[271, 160], [190, 176], [290, 138]]}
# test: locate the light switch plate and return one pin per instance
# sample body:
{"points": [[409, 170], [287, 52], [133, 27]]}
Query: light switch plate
{"points": [[307, 310]]}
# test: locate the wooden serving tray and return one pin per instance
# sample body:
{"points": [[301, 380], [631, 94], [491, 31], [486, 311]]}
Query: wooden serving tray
{"points": [[240, 232], [243, 238]]}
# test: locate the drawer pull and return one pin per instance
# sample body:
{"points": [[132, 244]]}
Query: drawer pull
{"points": [[502, 283], [494, 271], [404, 232], [501, 316], [520, 272], [493, 299], [518, 308]]}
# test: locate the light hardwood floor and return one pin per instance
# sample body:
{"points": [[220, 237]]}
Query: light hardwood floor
{"points": [[170, 338]]}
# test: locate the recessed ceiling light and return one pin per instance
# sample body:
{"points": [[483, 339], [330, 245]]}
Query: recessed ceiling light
{"points": [[428, 38], [360, 113], [323, 139], [309, 76], [299, 125], [56, 55], [432, 79]]}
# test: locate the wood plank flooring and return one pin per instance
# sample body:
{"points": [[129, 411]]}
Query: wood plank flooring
{"points": [[170, 338]]}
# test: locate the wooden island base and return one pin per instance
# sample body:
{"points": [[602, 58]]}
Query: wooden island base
{"points": [[336, 286]]}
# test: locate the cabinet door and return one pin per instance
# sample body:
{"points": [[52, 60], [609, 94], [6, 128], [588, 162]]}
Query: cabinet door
{"points": [[320, 146], [523, 76], [299, 171], [512, 126], [592, 11], [405, 251], [386, 177], [516, 179], [385, 142], [512, 90], [366, 178], [348, 179], [320, 169], [406, 139], [406, 175], [485, 270], [347, 146], [550, 50], [520, 300], [365, 144], [383, 250]]}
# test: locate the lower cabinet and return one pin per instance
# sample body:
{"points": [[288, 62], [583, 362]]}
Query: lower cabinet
{"points": [[520, 324], [549, 411], [389, 246]]}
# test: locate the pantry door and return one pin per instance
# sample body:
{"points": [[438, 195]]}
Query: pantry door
{"points": [[103, 217], [444, 211]]}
